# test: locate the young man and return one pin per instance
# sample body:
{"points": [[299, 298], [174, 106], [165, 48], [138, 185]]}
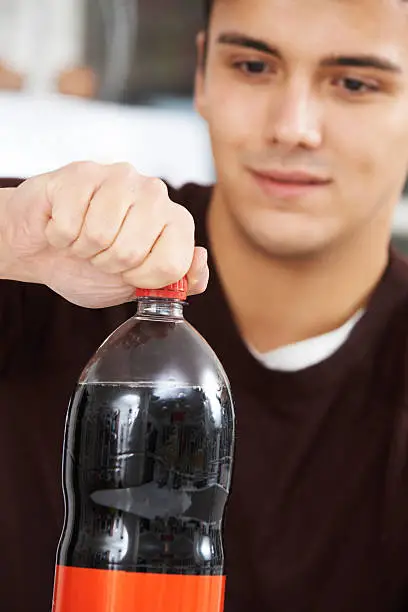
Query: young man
{"points": [[307, 106]]}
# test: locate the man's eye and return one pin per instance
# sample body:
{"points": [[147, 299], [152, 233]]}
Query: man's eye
{"points": [[357, 86], [252, 67]]}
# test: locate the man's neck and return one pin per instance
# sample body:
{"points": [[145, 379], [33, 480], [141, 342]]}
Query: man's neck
{"points": [[277, 301]]}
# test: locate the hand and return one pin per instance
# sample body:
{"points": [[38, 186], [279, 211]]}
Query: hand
{"points": [[93, 233]]}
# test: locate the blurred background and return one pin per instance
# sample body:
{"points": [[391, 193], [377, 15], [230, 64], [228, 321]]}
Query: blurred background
{"points": [[107, 80]]}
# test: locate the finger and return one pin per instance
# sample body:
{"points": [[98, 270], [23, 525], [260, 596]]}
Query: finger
{"points": [[171, 256], [141, 228], [69, 191], [108, 209], [198, 274]]}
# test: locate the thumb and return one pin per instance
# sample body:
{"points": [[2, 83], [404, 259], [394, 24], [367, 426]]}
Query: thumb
{"points": [[198, 274]]}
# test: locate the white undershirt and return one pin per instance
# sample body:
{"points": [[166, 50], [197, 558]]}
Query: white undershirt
{"points": [[301, 355]]}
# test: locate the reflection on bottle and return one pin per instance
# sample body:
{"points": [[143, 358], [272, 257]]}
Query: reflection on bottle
{"points": [[152, 463]]}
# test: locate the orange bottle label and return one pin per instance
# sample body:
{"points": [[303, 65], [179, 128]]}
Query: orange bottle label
{"points": [[91, 590]]}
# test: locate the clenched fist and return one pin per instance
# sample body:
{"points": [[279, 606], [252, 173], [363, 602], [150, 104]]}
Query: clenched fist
{"points": [[93, 233]]}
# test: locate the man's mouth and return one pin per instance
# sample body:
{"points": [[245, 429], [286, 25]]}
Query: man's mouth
{"points": [[296, 176], [288, 184]]}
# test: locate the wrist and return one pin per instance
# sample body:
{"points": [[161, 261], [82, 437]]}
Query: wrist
{"points": [[12, 265]]}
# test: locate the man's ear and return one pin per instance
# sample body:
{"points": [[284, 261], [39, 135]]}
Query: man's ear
{"points": [[199, 88]]}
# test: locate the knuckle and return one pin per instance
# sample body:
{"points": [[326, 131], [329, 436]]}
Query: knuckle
{"points": [[60, 235], [86, 171], [128, 257], [154, 195], [97, 236], [124, 170], [84, 174], [188, 218], [54, 185], [84, 167], [154, 200], [184, 219], [172, 269], [158, 188], [66, 231]]}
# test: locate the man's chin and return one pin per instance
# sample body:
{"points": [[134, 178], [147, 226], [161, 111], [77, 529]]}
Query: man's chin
{"points": [[286, 246]]}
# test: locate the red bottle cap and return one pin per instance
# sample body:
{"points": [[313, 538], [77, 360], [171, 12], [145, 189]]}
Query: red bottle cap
{"points": [[177, 291]]}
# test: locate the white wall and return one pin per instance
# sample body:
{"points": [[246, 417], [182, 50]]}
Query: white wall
{"points": [[42, 133]]}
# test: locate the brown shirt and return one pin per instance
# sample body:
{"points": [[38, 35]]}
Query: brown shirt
{"points": [[318, 516]]}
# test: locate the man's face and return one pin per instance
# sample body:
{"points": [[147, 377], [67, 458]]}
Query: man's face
{"points": [[315, 93]]}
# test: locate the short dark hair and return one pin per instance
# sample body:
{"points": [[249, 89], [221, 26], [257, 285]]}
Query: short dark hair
{"points": [[208, 4]]}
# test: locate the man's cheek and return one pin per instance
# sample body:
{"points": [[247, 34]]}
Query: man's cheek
{"points": [[368, 165], [356, 156], [230, 122]]}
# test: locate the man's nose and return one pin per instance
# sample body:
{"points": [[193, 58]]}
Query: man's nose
{"points": [[295, 118]]}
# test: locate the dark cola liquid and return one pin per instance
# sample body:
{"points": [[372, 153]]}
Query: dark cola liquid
{"points": [[146, 477]]}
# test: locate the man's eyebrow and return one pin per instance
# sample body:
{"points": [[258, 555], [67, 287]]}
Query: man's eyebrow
{"points": [[362, 61], [353, 61], [240, 40]]}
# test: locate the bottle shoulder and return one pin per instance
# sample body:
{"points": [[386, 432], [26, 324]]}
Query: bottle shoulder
{"points": [[148, 349]]}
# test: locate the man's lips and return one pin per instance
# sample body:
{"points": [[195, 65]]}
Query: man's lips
{"points": [[297, 177], [287, 185]]}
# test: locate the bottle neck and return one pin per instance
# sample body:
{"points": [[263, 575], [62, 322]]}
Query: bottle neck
{"points": [[160, 307]]}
